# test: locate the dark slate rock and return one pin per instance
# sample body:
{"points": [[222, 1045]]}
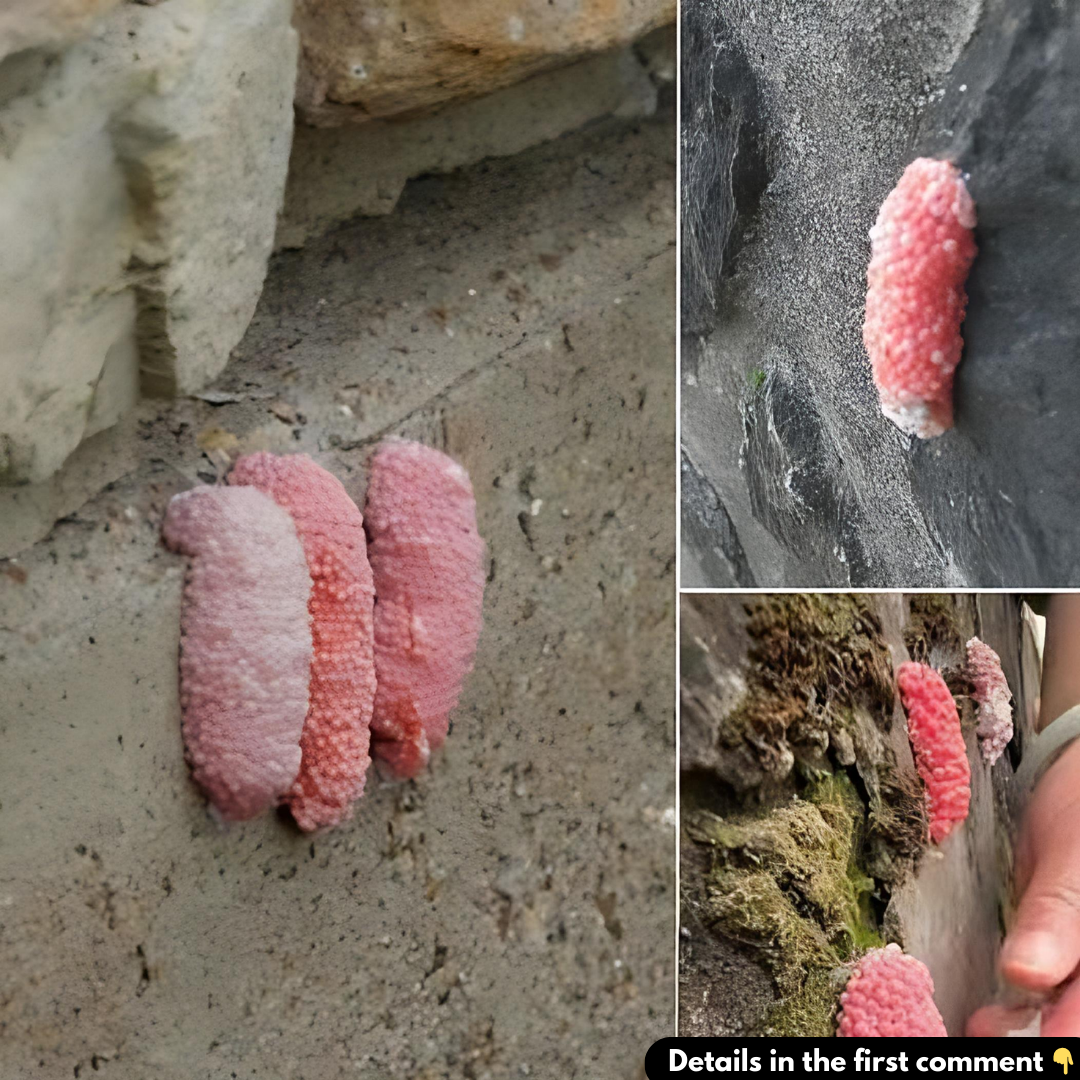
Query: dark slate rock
{"points": [[780, 417]]}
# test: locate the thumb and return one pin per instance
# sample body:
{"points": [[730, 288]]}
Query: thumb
{"points": [[997, 1021], [1061, 1020], [1043, 947]]}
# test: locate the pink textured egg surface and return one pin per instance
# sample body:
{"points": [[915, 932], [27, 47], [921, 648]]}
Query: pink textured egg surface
{"points": [[428, 562], [993, 696], [922, 250], [888, 995], [336, 736], [938, 742], [245, 646]]}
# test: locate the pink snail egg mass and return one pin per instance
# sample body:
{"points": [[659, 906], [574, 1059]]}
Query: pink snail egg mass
{"points": [[889, 995], [335, 739], [245, 645], [938, 743], [993, 696], [922, 249], [428, 562]]}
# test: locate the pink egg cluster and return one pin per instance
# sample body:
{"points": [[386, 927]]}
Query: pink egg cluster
{"points": [[993, 696], [296, 648], [428, 562], [342, 687], [245, 646], [922, 250], [938, 742], [889, 995]]}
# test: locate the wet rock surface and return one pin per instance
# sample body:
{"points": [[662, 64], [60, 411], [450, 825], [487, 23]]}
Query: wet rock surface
{"points": [[780, 418]]}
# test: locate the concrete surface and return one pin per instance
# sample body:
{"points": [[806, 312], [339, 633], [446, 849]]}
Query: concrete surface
{"points": [[510, 913]]}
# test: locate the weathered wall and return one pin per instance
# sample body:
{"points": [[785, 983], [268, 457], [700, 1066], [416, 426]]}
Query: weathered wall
{"points": [[801, 123]]}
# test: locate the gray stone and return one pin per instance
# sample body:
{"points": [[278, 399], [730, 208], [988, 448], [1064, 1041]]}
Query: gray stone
{"points": [[817, 113], [712, 554]]}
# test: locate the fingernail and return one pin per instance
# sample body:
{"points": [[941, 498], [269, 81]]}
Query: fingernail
{"points": [[1036, 953]]}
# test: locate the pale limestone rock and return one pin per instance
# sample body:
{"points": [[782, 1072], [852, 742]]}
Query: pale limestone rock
{"points": [[339, 172], [29, 24], [141, 175], [365, 60], [144, 149], [65, 308], [206, 158]]}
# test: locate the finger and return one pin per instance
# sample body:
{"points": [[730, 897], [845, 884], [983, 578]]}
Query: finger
{"points": [[1024, 861], [1042, 948], [996, 1021], [1062, 1019]]}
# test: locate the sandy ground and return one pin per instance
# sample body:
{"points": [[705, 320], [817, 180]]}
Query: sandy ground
{"points": [[511, 912]]}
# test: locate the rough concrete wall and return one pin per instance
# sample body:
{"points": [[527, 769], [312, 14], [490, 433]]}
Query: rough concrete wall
{"points": [[944, 905], [512, 910], [781, 421]]}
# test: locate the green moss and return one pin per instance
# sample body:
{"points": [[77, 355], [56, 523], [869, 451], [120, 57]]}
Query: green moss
{"points": [[757, 379], [755, 911], [898, 821], [808, 1013], [787, 885], [850, 888], [815, 657], [829, 640]]}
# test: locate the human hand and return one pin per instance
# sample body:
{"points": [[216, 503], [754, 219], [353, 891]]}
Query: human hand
{"points": [[1041, 953]]}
